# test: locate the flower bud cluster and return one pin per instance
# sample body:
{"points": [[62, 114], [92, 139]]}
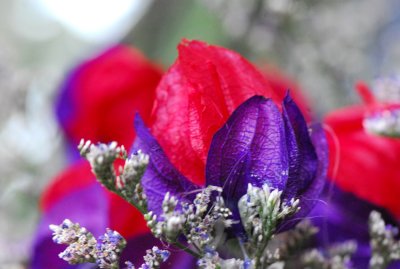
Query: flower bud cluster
{"points": [[127, 184], [101, 158], [211, 260], [153, 259], [337, 257], [196, 221], [171, 223], [387, 89], [261, 210], [384, 247], [105, 251], [108, 249], [297, 239], [204, 218], [385, 122], [82, 244]]}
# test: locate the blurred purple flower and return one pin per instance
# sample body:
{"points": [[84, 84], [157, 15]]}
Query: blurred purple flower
{"points": [[344, 217]]}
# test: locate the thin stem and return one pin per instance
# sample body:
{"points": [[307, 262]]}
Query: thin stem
{"points": [[185, 248]]}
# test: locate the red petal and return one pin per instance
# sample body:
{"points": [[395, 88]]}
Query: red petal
{"points": [[365, 92], [125, 218], [79, 175], [74, 177], [280, 83], [196, 96], [108, 90], [368, 164]]}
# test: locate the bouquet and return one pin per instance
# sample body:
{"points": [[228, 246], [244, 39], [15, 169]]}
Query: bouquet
{"points": [[225, 166]]}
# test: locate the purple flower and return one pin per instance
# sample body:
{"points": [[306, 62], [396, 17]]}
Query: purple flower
{"points": [[259, 144], [344, 217]]}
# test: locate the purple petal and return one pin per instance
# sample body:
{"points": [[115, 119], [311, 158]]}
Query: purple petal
{"points": [[249, 148], [341, 217], [67, 101], [87, 206], [311, 195], [303, 161], [160, 176]]}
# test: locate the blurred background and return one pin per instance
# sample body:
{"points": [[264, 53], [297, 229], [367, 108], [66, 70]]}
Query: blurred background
{"points": [[324, 45]]}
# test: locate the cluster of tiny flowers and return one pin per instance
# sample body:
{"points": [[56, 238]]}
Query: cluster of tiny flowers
{"points": [[296, 239], [153, 259], [387, 89], [385, 122], [261, 210], [127, 184], [108, 249], [204, 222], [104, 252], [211, 260], [337, 257], [101, 158], [196, 221], [385, 248], [171, 222], [81, 243]]}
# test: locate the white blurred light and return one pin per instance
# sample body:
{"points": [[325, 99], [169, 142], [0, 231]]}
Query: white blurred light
{"points": [[96, 20]]}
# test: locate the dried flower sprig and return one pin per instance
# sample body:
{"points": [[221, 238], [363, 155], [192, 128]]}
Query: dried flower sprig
{"points": [[81, 243], [104, 251], [337, 257], [261, 210], [384, 247], [199, 227], [385, 123], [153, 259], [127, 184], [196, 221]]}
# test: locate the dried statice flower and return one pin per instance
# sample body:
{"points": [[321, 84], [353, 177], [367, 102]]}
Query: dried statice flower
{"points": [[261, 210], [196, 221], [105, 251], [387, 89], [336, 257], [127, 184], [313, 259], [101, 158], [297, 239], [211, 260], [81, 243], [153, 259], [383, 117], [384, 247], [385, 122], [109, 248]]}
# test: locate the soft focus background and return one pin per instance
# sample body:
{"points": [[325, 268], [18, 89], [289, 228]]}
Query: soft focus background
{"points": [[325, 45]]}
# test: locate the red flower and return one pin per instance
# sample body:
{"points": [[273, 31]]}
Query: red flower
{"points": [[193, 100], [196, 97], [99, 99], [363, 163]]}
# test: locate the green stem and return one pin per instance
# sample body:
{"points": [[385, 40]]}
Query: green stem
{"points": [[185, 248]]}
